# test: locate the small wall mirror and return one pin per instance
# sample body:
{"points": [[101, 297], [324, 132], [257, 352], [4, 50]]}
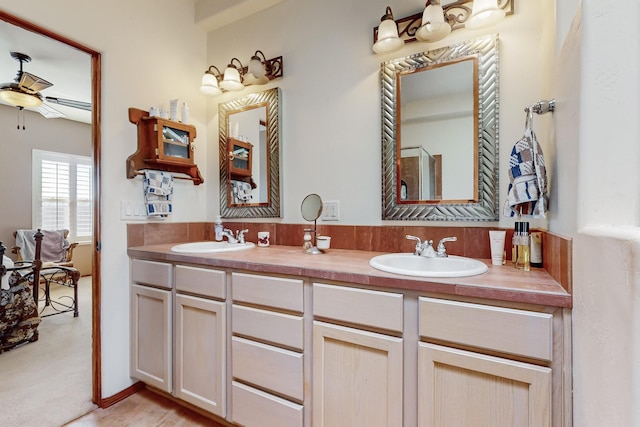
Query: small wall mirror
{"points": [[249, 141], [311, 209], [439, 133]]}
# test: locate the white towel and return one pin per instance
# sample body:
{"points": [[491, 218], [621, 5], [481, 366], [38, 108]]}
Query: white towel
{"points": [[53, 249], [158, 189], [528, 175]]}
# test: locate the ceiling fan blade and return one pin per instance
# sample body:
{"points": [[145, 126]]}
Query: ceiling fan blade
{"points": [[49, 112], [33, 84], [69, 103]]}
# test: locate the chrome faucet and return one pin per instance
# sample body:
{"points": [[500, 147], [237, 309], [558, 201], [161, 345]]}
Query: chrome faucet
{"points": [[442, 251], [229, 235], [238, 238], [423, 248]]}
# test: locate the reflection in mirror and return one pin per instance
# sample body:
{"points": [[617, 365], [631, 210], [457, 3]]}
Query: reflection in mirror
{"points": [[440, 146], [438, 119], [250, 156]]}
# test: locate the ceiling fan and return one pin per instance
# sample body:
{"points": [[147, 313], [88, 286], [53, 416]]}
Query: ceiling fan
{"points": [[25, 92]]}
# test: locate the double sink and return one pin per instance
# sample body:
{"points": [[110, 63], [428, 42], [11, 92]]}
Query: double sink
{"points": [[399, 263]]}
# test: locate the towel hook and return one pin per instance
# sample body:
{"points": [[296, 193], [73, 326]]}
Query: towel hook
{"points": [[542, 107]]}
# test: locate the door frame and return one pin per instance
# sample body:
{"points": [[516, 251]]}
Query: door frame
{"points": [[96, 74]]}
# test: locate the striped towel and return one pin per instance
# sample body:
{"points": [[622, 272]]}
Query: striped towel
{"points": [[241, 192], [528, 175], [158, 189]]}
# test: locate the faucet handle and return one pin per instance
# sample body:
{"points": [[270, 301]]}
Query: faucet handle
{"points": [[442, 251], [418, 243], [240, 235]]}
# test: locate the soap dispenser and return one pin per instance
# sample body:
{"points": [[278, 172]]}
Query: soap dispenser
{"points": [[218, 228]]}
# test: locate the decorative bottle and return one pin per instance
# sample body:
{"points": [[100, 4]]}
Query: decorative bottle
{"points": [[514, 242], [185, 113], [218, 228], [523, 257]]}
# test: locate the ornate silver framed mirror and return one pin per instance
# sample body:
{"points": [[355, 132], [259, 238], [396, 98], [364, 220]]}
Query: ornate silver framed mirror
{"points": [[249, 141], [440, 134]]}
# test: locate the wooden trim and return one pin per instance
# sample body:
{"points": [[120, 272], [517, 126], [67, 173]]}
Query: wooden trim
{"points": [[96, 97], [131, 390]]}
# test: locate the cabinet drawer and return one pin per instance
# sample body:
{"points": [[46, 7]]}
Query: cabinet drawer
{"points": [[278, 328], [361, 306], [201, 281], [268, 367], [519, 332], [151, 273], [277, 292], [252, 407]]}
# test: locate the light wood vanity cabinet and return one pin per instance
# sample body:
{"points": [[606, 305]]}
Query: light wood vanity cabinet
{"points": [[303, 354], [496, 391], [178, 332], [267, 351], [151, 323], [357, 370]]}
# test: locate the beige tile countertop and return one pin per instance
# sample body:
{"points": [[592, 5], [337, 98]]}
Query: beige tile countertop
{"points": [[503, 283]]}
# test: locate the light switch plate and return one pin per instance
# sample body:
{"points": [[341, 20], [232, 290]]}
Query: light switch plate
{"points": [[330, 210]]}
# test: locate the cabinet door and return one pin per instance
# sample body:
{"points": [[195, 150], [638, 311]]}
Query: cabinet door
{"points": [[462, 388], [151, 336], [200, 350], [357, 378]]}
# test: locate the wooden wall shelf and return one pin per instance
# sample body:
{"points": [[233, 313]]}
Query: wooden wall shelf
{"points": [[163, 145]]}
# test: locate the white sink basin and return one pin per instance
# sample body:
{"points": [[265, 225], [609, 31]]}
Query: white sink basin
{"points": [[209, 247], [413, 265]]}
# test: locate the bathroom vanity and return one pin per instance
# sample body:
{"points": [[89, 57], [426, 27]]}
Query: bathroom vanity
{"points": [[274, 337]]}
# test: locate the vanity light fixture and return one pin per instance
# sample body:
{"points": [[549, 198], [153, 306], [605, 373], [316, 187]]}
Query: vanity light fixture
{"points": [[434, 27], [388, 39], [209, 85], [436, 22], [485, 13], [256, 72], [236, 76], [232, 76]]}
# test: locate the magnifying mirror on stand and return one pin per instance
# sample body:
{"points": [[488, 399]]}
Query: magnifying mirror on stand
{"points": [[311, 209]]}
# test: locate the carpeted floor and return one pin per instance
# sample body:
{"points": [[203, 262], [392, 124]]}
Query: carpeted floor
{"points": [[48, 382]]}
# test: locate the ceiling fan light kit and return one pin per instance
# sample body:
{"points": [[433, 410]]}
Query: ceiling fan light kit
{"points": [[25, 91]]}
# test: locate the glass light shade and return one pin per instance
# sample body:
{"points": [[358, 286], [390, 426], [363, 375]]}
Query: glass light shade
{"points": [[15, 96], [256, 74], [388, 40], [209, 85], [435, 27], [484, 14], [256, 67], [231, 79]]}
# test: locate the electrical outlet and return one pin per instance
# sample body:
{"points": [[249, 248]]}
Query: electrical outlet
{"points": [[330, 210]]}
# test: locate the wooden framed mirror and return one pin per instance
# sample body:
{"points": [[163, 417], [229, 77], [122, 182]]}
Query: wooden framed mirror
{"points": [[249, 143], [440, 133]]}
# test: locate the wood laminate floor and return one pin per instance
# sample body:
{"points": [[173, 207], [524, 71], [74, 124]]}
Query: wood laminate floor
{"points": [[143, 409]]}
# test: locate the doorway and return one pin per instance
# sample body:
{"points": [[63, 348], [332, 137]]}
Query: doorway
{"points": [[95, 150]]}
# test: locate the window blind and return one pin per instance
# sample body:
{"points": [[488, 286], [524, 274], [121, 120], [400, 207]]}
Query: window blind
{"points": [[62, 194]]}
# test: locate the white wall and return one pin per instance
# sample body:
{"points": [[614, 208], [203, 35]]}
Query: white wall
{"points": [[151, 53], [331, 92], [599, 205], [57, 135]]}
